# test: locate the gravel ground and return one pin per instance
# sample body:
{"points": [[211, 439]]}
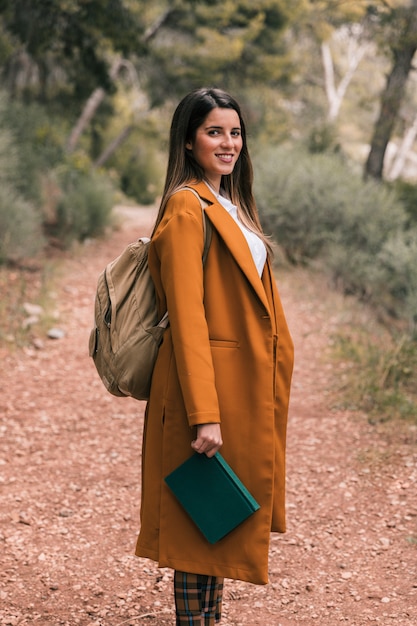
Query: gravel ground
{"points": [[70, 482]]}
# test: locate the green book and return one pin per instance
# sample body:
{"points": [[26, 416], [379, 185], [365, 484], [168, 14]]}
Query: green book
{"points": [[212, 494]]}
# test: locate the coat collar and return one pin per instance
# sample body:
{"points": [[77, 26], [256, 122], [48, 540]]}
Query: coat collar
{"points": [[233, 238]]}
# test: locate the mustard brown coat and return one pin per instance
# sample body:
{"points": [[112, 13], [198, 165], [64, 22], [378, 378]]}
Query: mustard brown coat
{"points": [[226, 357]]}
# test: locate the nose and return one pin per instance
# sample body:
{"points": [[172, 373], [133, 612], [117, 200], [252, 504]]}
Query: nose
{"points": [[228, 139]]}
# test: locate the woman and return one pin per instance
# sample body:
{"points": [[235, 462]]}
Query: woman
{"points": [[223, 373]]}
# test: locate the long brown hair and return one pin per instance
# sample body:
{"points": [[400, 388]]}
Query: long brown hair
{"points": [[183, 168]]}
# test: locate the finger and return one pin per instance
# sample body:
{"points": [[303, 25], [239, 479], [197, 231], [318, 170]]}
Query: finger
{"points": [[198, 445], [212, 452], [204, 447]]}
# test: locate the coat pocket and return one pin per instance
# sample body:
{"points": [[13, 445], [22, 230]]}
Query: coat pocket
{"points": [[223, 343]]}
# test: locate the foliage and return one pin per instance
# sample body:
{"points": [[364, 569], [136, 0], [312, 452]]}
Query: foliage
{"points": [[38, 139], [301, 199], [20, 232], [407, 193], [319, 209], [63, 47], [385, 388], [139, 162], [84, 208], [398, 276], [322, 138], [20, 228], [41, 190], [232, 44], [142, 175]]}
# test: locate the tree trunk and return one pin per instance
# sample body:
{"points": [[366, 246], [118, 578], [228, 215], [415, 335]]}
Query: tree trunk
{"points": [[99, 94], [393, 94], [403, 151], [87, 114], [335, 94], [112, 147]]}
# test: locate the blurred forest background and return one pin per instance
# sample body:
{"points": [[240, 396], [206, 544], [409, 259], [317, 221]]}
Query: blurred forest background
{"points": [[328, 88]]}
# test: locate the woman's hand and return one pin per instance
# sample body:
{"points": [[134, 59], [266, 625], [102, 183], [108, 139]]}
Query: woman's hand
{"points": [[208, 440]]}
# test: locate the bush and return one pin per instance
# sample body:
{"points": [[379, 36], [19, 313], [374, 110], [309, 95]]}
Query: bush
{"points": [[322, 138], [407, 193], [142, 176], [38, 142], [398, 262], [318, 208], [139, 163], [41, 189], [20, 223], [20, 229], [300, 200], [85, 205]]}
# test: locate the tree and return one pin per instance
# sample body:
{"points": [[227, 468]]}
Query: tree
{"points": [[355, 47], [99, 93], [189, 44], [330, 40], [403, 46], [59, 48], [229, 43], [403, 150]]}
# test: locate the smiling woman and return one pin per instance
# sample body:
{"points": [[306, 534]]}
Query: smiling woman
{"points": [[223, 372], [217, 145]]}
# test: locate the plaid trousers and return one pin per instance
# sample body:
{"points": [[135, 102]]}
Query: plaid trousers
{"points": [[198, 599]]}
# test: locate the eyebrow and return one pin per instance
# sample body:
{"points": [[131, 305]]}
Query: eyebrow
{"points": [[214, 127]]}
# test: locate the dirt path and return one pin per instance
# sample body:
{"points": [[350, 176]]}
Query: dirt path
{"points": [[70, 476]]}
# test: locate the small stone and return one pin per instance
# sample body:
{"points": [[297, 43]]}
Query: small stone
{"points": [[33, 309], [56, 333], [30, 321], [24, 519], [38, 343]]}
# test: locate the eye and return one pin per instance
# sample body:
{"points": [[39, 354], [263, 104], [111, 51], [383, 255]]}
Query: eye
{"points": [[236, 133], [213, 132]]}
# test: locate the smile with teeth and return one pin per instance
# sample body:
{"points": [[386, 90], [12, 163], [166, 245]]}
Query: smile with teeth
{"points": [[227, 158]]}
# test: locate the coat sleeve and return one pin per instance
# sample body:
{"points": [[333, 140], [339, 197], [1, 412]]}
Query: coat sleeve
{"points": [[179, 244]]}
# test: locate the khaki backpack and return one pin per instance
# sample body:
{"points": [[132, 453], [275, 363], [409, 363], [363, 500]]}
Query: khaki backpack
{"points": [[127, 334]]}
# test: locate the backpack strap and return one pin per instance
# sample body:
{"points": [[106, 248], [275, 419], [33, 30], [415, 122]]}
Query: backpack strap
{"points": [[207, 227]]}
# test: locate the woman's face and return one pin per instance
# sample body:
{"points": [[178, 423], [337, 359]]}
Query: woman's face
{"points": [[217, 144]]}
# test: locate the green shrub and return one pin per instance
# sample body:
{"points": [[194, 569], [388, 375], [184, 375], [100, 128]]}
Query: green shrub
{"points": [[318, 208], [85, 205], [309, 201], [322, 138], [38, 142], [301, 199], [20, 229], [142, 176], [407, 193], [373, 254], [398, 262], [20, 223]]}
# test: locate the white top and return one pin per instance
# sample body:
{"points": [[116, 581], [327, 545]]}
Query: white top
{"points": [[255, 243]]}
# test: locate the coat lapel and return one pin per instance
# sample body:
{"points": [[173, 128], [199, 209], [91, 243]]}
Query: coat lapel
{"points": [[234, 239]]}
